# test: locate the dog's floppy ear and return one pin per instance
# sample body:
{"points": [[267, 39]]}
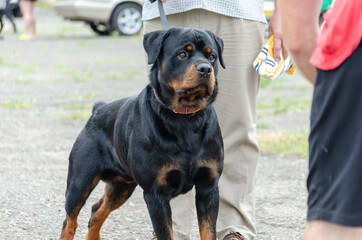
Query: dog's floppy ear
{"points": [[152, 43], [220, 47]]}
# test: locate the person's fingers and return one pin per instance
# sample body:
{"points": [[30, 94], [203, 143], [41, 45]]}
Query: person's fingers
{"points": [[163, 1], [285, 53], [270, 31], [277, 46]]}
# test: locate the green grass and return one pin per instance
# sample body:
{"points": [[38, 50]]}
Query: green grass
{"points": [[21, 80], [125, 75], [88, 42], [284, 143], [67, 29], [97, 62], [130, 74], [27, 69], [286, 106], [271, 84], [60, 65], [7, 64], [76, 107], [101, 62], [75, 116], [15, 104], [116, 39], [87, 95], [76, 112], [121, 61], [261, 115], [263, 126], [264, 82], [79, 77], [303, 88], [113, 76], [44, 4]]}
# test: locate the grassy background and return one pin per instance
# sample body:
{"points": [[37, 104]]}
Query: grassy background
{"points": [[282, 99]]}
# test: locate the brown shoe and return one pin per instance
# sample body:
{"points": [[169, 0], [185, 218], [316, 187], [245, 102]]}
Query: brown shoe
{"points": [[234, 236]]}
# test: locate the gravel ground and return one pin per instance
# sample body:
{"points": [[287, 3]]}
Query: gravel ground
{"points": [[47, 88]]}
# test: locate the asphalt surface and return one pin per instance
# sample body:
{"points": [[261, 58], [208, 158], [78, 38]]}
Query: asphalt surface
{"points": [[47, 88]]}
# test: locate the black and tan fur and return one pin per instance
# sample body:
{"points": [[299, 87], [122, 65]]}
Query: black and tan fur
{"points": [[148, 140]]}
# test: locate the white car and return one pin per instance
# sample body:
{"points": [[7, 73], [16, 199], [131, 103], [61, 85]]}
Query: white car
{"points": [[104, 16]]}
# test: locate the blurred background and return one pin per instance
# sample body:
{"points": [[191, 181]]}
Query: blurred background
{"points": [[91, 50], [107, 16]]}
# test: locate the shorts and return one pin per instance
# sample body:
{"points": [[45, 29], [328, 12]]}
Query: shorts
{"points": [[335, 145]]}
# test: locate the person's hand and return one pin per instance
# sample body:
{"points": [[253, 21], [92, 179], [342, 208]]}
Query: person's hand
{"points": [[275, 30], [163, 1]]}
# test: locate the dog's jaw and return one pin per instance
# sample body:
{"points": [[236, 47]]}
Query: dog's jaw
{"points": [[191, 90]]}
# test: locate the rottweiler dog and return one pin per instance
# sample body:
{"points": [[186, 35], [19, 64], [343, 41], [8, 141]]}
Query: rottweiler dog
{"points": [[166, 140]]}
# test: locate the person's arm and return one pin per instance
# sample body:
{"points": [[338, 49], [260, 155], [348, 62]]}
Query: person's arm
{"points": [[275, 30], [299, 21]]}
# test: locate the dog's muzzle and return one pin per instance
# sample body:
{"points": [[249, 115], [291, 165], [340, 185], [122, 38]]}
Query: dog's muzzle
{"points": [[204, 70]]}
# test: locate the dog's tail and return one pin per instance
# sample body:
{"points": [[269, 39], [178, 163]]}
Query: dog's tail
{"points": [[98, 105]]}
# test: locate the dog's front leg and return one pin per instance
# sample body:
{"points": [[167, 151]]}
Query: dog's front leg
{"points": [[207, 205], [160, 213]]}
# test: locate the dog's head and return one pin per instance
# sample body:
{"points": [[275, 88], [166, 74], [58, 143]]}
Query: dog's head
{"points": [[185, 65]]}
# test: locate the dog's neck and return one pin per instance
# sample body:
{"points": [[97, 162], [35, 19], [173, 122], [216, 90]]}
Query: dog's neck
{"points": [[186, 110]]}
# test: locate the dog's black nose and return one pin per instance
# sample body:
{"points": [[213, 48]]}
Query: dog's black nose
{"points": [[204, 69]]}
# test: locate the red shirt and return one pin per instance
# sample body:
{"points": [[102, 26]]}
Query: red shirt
{"points": [[340, 34]]}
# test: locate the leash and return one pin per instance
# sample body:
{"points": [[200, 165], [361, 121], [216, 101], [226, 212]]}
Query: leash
{"points": [[162, 14]]}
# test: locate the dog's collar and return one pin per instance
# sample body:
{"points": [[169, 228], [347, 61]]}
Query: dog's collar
{"points": [[186, 110]]}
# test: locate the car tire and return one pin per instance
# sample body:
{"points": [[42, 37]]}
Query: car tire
{"points": [[127, 19], [99, 28]]}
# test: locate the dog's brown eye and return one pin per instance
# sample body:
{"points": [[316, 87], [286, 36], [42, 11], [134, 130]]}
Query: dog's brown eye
{"points": [[182, 55], [212, 57]]}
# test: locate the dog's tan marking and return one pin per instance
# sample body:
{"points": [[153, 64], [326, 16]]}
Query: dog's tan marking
{"points": [[92, 186], [69, 228], [208, 50], [189, 48], [170, 229], [163, 68], [212, 165], [106, 205], [189, 80], [205, 229], [97, 220], [191, 83], [211, 82], [119, 178], [163, 172]]}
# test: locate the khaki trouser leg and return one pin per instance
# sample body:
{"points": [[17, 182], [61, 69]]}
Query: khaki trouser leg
{"points": [[236, 110]]}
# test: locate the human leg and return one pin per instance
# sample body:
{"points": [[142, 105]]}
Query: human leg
{"points": [[27, 10], [334, 180], [323, 230]]}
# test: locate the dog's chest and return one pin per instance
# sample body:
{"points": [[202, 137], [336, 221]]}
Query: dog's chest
{"points": [[180, 176]]}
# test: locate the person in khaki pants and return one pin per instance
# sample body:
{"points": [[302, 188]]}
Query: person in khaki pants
{"points": [[240, 23]]}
